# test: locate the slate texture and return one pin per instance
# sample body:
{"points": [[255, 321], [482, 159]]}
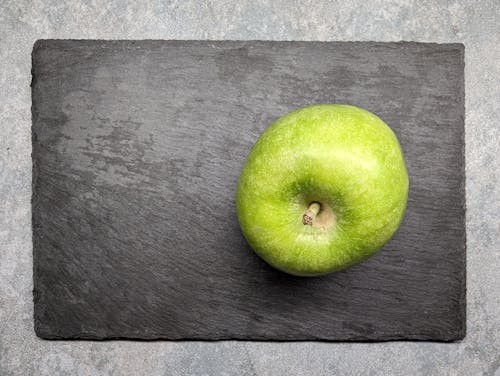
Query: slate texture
{"points": [[137, 148]]}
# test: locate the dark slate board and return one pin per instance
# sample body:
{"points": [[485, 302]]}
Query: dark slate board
{"points": [[137, 148]]}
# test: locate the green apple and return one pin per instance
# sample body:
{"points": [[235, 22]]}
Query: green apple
{"points": [[323, 188]]}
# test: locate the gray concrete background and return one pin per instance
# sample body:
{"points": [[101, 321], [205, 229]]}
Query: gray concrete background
{"points": [[475, 23]]}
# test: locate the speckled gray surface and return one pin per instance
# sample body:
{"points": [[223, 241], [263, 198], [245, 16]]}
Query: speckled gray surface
{"points": [[475, 23]]}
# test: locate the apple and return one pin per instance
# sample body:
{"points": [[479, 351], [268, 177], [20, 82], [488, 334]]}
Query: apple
{"points": [[323, 188]]}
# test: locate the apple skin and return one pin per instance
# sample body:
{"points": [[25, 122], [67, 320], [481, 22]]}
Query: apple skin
{"points": [[341, 156]]}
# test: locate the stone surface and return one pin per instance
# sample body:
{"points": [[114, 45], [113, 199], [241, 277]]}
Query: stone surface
{"points": [[137, 150], [474, 23]]}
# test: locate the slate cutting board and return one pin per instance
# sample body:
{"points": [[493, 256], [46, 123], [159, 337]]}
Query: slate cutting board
{"points": [[137, 148]]}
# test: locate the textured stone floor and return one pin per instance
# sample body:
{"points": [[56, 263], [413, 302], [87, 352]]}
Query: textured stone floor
{"points": [[474, 23]]}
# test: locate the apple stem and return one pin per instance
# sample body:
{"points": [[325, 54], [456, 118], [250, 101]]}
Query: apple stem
{"points": [[311, 212]]}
